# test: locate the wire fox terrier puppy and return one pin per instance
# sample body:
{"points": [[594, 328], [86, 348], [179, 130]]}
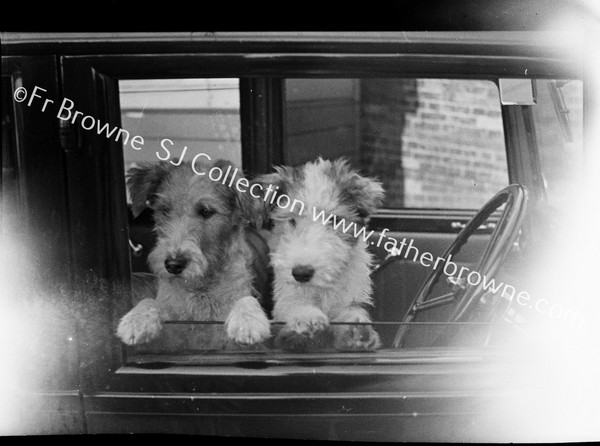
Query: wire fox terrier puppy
{"points": [[321, 273], [201, 259]]}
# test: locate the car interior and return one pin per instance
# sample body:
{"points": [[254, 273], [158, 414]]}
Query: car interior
{"points": [[428, 142]]}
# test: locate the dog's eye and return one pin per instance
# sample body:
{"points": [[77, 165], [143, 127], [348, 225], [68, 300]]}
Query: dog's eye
{"points": [[205, 212], [292, 222]]}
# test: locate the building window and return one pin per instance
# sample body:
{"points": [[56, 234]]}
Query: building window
{"points": [[200, 114]]}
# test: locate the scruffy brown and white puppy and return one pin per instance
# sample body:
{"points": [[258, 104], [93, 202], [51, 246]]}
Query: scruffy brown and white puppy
{"points": [[201, 259], [321, 274]]}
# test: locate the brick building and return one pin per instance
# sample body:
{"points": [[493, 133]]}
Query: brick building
{"points": [[436, 143]]}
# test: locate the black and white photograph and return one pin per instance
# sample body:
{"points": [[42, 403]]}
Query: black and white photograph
{"points": [[382, 235]]}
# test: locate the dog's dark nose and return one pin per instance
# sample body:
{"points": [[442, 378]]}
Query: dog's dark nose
{"points": [[303, 273], [175, 264]]}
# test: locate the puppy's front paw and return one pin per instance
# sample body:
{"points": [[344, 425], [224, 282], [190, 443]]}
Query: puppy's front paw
{"points": [[247, 324], [308, 322], [356, 337], [140, 327], [303, 330]]}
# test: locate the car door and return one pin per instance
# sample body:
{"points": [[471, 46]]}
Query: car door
{"points": [[35, 247]]}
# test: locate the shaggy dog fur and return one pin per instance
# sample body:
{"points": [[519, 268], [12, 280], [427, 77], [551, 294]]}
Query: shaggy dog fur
{"points": [[322, 274], [201, 259]]}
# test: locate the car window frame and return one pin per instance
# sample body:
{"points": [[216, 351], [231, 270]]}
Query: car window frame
{"points": [[86, 73]]}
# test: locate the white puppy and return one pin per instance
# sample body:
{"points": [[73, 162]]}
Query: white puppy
{"points": [[321, 273]]}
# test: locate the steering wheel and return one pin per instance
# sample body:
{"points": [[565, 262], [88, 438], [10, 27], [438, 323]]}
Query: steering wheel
{"points": [[499, 245]]}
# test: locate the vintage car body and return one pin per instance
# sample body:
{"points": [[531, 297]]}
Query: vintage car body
{"points": [[76, 377]]}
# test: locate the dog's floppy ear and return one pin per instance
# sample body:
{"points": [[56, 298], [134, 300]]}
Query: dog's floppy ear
{"points": [[143, 181], [279, 182], [365, 193], [251, 209]]}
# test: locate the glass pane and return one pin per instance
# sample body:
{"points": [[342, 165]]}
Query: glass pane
{"points": [[434, 143], [560, 138], [170, 114]]}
